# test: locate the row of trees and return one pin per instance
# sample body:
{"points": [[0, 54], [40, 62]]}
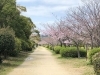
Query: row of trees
{"points": [[80, 26], [15, 29]]}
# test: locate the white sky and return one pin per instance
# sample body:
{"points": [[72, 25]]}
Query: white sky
{"points": [[44, 11]]}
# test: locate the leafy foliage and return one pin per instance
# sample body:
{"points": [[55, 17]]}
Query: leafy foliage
{"points": [[10, 16], [8, 11], [17, 38], [57, 49], [93, 52], [7, 41], [51, 47], [96, 63], [26, 45], [17, 49], [71, 52]]}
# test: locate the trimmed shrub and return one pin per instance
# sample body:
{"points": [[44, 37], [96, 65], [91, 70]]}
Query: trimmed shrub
{"points": [[57, 49], [51, 47], [93, 52], [72, 52], [47, 46], [63, 51], [96, 63], [83, 52]]}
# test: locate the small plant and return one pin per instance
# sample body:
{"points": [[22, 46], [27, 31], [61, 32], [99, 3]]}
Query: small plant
{"points": [[96, 63], [93, 52], [50, 47], [47, 46], [57, 49]]}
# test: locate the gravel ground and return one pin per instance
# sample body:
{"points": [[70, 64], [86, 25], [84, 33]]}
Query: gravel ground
{"points": [[41, 62]]}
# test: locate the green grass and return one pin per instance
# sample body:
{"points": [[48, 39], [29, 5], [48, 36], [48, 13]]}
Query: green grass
{"points": [[12, 62], [72, 64], [80, 65]]}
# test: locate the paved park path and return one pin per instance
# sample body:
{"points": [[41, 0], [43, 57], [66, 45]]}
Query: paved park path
{"points": [[40, 62]]}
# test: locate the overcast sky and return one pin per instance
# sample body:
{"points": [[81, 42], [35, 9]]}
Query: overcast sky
{"points": [[44, 11]]}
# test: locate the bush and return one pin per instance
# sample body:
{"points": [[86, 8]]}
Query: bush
{"points": [[72, 52], [47, 46], [0, 60], [33, 45], [51, 47], [7, 41], [96, 63], [13, 53], [18, 44], [57, 49], [93, 52], [17, 49], [30, 46], [26, 46]]}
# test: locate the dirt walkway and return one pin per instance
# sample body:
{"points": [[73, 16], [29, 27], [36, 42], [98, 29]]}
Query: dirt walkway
{"points": [[40, 62]]}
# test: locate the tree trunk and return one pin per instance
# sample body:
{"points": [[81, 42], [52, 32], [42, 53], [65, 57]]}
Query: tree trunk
{"points": [[91, 42], [0, 59], [5, 54], [64, 44], [78, 52], [60, 43], [86, 50]]}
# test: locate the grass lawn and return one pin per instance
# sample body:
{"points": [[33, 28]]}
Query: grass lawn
{"points": [[12, 62], [75, 65]]}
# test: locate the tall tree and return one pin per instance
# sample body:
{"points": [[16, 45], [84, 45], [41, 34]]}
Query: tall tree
{"points": [[10, 16]]}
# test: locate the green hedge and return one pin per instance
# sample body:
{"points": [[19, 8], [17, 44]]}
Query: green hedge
{"points": [[93, 52], [57, 49], [50, 47], [47, 46], [72, 52], [96, 63]]}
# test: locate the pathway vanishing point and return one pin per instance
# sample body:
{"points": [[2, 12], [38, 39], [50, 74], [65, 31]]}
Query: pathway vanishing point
{"points": [[40, 62]]}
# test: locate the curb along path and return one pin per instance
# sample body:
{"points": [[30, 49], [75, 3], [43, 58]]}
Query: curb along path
{"points": [[40, 62]]}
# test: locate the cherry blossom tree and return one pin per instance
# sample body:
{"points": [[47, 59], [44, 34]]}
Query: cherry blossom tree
{"points": [[80, 25], [85, 21]]}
